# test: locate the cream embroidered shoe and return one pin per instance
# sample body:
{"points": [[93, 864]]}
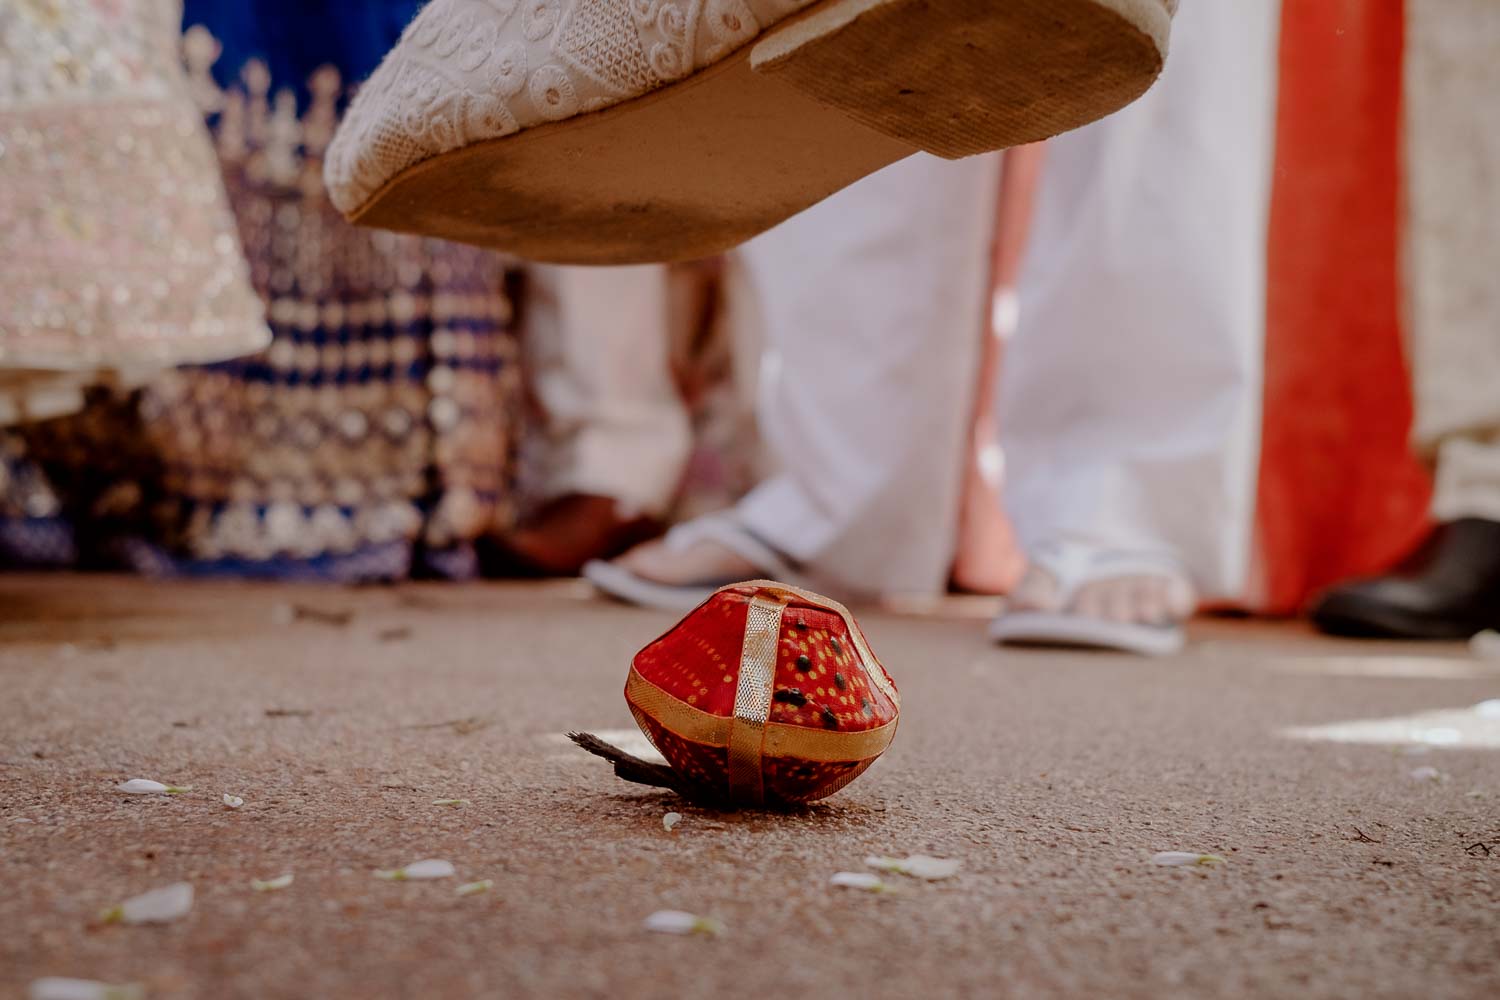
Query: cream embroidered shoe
{"points": [[620, 131]]}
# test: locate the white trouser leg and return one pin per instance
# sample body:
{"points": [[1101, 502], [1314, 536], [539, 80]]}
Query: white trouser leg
{"points": [[1130, 396], [597, 346], [1453, 234], [872, 308]]}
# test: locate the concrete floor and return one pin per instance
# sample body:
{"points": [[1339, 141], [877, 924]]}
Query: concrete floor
{"points": [[1054, 777]]}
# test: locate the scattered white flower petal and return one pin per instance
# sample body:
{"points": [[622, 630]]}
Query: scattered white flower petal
{"points": [[60, 988], [145, 786], [670, 820], [680, 922], [1180, 858], [861, 880], [1475, 793], [430, 868], [272, 884], [450, 802], [1428, 774], [471, 888], [159, 906], [233, 801], [1488, 709], [1439, 736], [1486, 645], [917, 866]]}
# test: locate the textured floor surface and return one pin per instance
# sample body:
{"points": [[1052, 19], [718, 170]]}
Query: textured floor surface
{"points": [[1053, 777]]}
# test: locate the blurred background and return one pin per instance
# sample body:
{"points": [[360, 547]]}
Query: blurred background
{"points": [[1162, 363]]}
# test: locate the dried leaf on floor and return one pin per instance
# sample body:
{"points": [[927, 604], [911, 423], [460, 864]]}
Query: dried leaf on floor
{"points": [[450, 802]]}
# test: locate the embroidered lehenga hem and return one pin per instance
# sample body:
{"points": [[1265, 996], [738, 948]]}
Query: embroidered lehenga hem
{"points": [[120, 250]]}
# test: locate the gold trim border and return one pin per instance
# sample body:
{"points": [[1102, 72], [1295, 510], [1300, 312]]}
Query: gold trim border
{"points": [[780, 739], [873, 668], [752, 699]]}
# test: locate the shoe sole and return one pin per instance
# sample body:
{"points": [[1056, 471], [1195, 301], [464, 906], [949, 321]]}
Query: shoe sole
{"points": [[1065, 631], [623, 585], [813, 105]]}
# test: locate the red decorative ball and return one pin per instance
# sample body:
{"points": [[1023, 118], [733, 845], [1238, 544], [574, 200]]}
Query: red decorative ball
{"points": [[764, 694]]}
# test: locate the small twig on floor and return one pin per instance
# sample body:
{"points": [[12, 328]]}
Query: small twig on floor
{"points": [[288, 613], [1364, 838], [463, 727], [288, 713], [1488, 849], [394, 634], [629, 766]]}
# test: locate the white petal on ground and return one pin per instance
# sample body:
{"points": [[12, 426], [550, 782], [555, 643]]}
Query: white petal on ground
{"points": [[860, 880], [430, 868], [233, 801], [682, 922], [145, 786], [471, 888], [272, 884], [61, 988], [159, 906], [1489, 709], [450, 802], [1430, 774], [1188, 858], [917, 866], [670, 820]]}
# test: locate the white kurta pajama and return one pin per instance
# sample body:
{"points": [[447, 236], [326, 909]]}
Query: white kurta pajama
{"points": [[597, 346], [1131, 392], [871, 306], [869, 309], [1452, 236]]}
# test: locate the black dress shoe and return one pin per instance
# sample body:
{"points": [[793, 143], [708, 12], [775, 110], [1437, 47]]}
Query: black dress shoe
{"points": [[1448, 589]]}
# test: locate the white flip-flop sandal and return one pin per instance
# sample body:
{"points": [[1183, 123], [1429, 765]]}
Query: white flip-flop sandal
{"points": [[1072, 565], [721, 528]]}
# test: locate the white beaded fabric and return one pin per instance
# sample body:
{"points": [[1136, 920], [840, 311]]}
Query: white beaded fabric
{"points": [[120, 251], [470, 70]]}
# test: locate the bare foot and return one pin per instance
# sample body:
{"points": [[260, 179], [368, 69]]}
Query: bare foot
{"points": [[678, 566], [1133, 598]]}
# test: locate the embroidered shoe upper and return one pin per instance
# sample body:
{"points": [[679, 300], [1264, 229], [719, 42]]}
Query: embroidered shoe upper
{"points": [[469, 70]]}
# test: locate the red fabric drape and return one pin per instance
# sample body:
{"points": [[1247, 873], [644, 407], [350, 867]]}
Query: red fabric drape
{"points": [[1340, 493]]}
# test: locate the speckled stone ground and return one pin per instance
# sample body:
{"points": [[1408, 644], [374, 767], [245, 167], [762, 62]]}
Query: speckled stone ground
{"points": [[1054, 777]]}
